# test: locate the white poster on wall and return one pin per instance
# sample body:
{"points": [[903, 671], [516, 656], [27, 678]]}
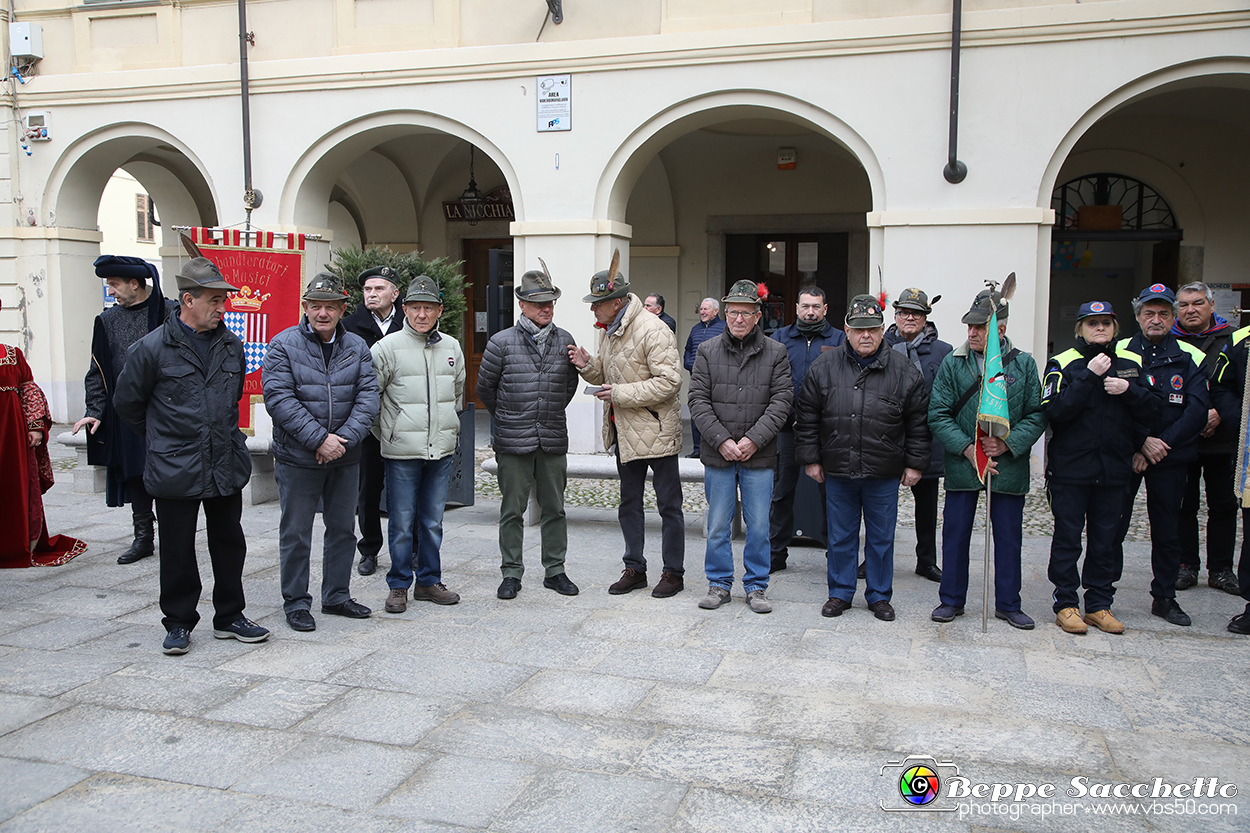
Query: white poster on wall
{"points": [[555, 103]]}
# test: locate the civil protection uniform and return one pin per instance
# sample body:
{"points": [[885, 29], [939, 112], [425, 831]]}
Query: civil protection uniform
{"points": [[1172, 372], [1089, 467]]}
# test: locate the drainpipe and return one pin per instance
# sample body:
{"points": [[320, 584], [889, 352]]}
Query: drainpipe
{"points": [[955, 171], [252, 198]]}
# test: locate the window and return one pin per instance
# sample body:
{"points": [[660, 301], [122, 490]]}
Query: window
{"points": [[145, 219]]}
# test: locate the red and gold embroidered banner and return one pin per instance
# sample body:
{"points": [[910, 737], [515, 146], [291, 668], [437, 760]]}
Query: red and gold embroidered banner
{"points": [[268, 268]]}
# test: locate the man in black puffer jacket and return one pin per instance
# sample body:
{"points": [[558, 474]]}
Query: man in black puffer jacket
{"points": [[861, 427], [526, 381], [323, 397]]}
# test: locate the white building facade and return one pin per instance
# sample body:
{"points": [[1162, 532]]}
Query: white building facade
{"points": [[685, 117]]}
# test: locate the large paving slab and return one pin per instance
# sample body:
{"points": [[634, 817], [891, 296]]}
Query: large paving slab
{"points": [[594, 712]]}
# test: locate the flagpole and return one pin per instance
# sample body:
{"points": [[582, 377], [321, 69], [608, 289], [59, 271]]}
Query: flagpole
{"points": [[985, 595]]}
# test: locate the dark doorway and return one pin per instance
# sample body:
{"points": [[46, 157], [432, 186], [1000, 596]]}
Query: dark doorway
{"points": [[477, 263], [787, 263]]}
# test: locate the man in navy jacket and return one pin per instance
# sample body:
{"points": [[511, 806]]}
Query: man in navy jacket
{"points": [[804, 340], [321, 392]]}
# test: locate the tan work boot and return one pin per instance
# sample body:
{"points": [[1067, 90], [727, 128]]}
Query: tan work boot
{"points": [[1104, 621], [1070, 620]]}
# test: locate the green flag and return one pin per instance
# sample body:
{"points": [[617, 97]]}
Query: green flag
{"points": [[992, 418]]}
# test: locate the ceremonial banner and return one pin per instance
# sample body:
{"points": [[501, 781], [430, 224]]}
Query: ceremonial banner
{"points": [[992, 418], [268, 268]]}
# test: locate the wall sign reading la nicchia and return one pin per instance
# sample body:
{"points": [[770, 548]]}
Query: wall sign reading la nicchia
{"points": [[498, 206]]}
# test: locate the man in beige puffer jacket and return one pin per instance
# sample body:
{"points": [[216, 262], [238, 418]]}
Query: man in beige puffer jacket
{"points": [[639, 372]]}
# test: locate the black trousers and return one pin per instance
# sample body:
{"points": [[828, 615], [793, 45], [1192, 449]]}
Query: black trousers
{"points": [[369, 502], [140, 500], [1094, 508], [1163, 483], [180, 574], [666, 479], [925, 495], [1217, 471]]}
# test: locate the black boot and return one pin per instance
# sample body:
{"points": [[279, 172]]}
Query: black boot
{"points": [[144, 543]]}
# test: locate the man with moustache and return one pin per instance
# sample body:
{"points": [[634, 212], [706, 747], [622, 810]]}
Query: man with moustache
{"points": [[1174, 374]]}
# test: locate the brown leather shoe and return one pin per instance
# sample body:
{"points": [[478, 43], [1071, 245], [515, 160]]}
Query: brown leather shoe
{"points": [[397, 600], [834, 607], [1070, 620], [630, 580], [1104, 621], [670, 584], [437, 593]]}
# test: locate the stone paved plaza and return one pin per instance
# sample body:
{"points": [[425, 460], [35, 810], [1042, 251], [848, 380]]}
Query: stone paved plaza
{"points": [[596, 713]]}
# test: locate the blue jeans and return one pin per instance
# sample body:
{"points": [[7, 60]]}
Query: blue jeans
{"points": [[875, 499], [299, 491], [722, 487], [416, 494]]}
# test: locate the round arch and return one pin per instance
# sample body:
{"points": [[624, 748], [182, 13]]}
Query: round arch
{"points": [[1180, 196], [72, 196], [305, 196], [1147, 85], [630, 159]]}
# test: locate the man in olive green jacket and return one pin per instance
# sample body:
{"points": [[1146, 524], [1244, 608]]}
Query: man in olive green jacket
{"points": [[421, 377], [953, 409]]}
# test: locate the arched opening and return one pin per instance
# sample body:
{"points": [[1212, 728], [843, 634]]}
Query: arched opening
{"points": [[152, 165], [1142, 196], [744, 185], [395, 180]]}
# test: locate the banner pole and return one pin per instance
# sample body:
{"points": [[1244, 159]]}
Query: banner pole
{"points": [[985, 595]]}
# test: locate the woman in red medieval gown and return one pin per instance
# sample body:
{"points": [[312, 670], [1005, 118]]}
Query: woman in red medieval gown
{"points": [[25, 470]]}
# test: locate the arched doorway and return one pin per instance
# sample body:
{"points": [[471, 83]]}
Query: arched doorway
{"points": [[396, 180], [1153, 167], [744, 184]]}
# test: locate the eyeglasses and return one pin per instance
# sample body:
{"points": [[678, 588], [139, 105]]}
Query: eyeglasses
{"points": [[907, 314], [738, 315]]}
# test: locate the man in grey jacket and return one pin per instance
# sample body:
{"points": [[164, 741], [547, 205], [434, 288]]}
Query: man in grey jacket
{"points": [[322, 394], [526, 381], [740, 396], [180, 391]]}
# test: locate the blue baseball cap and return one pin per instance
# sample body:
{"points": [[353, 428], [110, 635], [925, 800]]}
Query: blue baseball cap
{"points": [[1157, 292], [1095, 308]]}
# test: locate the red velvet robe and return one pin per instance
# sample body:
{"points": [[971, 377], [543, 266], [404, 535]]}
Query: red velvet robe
{"points": [[25, 472]]}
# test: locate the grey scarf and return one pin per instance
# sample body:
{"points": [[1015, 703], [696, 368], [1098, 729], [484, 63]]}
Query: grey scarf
{"points": [[539, 334]]}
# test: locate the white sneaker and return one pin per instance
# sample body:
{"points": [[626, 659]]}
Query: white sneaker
{"points": [[758, 603], [716, 596]]}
